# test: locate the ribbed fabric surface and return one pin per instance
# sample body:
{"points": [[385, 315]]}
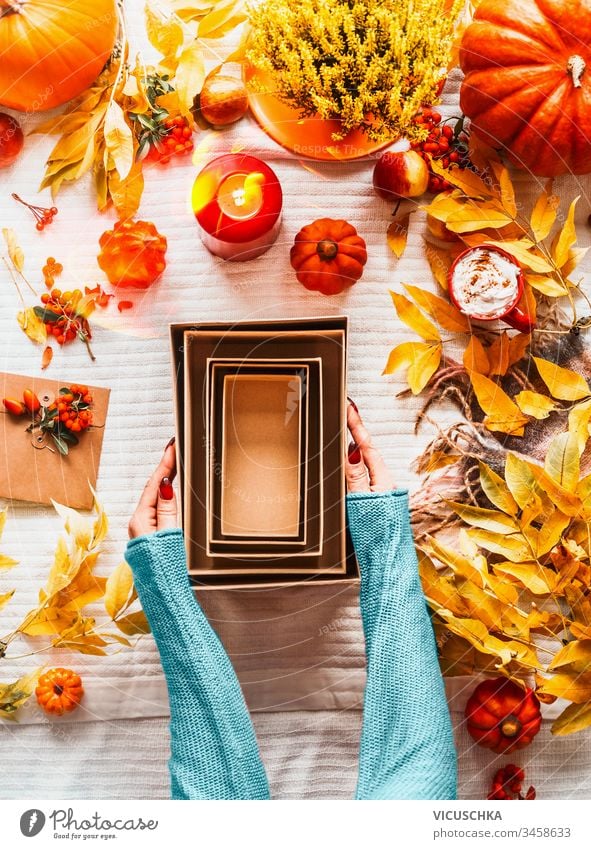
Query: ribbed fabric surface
{"points": [[214, 753], [407, 749]]}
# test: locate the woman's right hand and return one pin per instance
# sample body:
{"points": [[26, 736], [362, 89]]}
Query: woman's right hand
{"points": [[157, 507], [365, 469]]}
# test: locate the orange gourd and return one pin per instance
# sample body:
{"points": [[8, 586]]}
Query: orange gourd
{"points": [[528, 82], [59, 691], [502, 716], [132, 254], [52, 51], [328, 256]]}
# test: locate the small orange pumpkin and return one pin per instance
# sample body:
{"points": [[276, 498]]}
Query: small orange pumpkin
{"points": [[328, 256], [59, 691], [501, 716], [132, 254], [52, 51]]}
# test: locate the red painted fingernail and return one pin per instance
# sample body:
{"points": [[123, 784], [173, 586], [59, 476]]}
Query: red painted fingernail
{"points": [[170, 442], [166, 490], [354, 453], [353, 404]]}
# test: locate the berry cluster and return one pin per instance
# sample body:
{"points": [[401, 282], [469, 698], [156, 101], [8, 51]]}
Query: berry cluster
{"points": [[507, 783], [51, 270], [447, 144], [73, 407], [175, 140], [43, 215], [61, 317]]}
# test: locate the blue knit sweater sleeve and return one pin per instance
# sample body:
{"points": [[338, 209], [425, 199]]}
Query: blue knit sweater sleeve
{"points": [[407, 749], [214, 754]]}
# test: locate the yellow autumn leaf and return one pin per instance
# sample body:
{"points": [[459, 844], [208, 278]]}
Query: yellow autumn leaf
{"points": [[579, 420], [189, 77], [164, 33], [79, 526], [462, 565], [562, 383], [567, 502], [126, 194], [520, 480], [397, 235], [502, 414], [467, 181], [422, 360], [439, 460], [562, 460], [547, 285], [530, 574], [575, 256], [488, 520], [518, 347], [544, 213], [506, 190], [521, 250], [534, 404], [5, 598], [573, 718], [576, 688], [575, 653], [475, 357], [32, 326], [441, 310], [498, 354], [224, 17], [514, 547], [444, 204], [119, 590], [496, 490], [119, 139], [133, 624], [7, 563], [566, 238], [543, 540], [439, 262], [13, 696], [401, 355], [46, 622], [413, 318], [14, 250], [472, 217]]}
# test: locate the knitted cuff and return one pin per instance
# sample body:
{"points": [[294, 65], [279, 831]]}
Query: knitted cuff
{"points": [[378, 522]]}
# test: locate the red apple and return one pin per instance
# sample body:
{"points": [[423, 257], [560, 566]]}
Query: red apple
{"points": [[401, 174], [11, 139]]}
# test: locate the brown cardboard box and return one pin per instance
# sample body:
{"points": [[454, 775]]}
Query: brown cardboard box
{"points": [[279, 340]]}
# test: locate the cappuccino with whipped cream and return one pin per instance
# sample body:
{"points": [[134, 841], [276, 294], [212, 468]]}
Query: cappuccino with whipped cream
{"points": [[485, 283]]}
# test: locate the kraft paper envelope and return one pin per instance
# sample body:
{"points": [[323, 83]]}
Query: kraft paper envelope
{"points": [[32, 469]]}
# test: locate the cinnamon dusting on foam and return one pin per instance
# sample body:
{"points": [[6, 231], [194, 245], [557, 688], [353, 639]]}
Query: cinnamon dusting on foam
{"points": [[485, 283]]}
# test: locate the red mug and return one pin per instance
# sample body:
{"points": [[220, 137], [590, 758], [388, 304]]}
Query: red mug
{"points": [[511, 313]]}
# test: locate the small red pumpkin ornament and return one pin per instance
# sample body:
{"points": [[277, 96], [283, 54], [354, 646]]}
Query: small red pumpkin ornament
{"points": [[501, 716], [59, 691], [132, 254], [328, 255]]}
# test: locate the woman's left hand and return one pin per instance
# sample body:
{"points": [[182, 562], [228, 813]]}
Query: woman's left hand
{"points": [[157, 507]]}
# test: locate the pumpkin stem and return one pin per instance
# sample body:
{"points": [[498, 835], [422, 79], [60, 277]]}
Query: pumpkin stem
{"points": [[510, 726], [58, 689], [576, 68], [327, 249]]}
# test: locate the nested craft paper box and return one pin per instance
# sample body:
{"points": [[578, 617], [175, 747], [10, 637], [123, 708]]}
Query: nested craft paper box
{"points": [[31, 469], [281, 342]]}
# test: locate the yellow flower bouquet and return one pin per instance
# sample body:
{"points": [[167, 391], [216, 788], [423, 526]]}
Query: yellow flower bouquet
{"points": [[371, 64]]}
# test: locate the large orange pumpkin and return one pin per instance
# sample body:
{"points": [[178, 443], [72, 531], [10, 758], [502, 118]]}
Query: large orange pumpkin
{"points": [[52, 51], [528, 82]]}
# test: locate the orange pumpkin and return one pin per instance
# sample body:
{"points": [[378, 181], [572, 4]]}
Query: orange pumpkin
{"points": [[528, 82], [52, 51], [328, 256], [501, 716], [132, 254], [59, 691]]}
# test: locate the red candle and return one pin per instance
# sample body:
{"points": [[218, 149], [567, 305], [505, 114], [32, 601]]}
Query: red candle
{"points": [[237, 202]]}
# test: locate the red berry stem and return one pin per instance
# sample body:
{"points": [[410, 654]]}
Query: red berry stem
{"points": [[43, 215]]}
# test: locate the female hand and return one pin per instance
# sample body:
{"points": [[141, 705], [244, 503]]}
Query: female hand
{"points": [[157, 508], [365, 470]]}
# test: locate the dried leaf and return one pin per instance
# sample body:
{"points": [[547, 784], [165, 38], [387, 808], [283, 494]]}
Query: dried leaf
{"points": [[534, 404], [422, 360], [440, 262], [224, 17], [126, 194], [164, 33], [544, 213], [413, 318], [515, 547], [496, 490], [562, 461], [502, 414], [133, 624], [566, 238], [14, 251], [32, 325], [576, 688], [13, 696], [520, 249], [530, 574], [119, 590], [5, 598], [488, 520], [470, 183], [499, 355], [475, 356], [562, 383], [547, 285], [189, 77], [579, 420], [518, 347], [573, 718], [444, 205], [441, 310], [397, 235], [506, 190], [575, 256], [47, 357], [7, 563], [477, 217], [119, 139]]}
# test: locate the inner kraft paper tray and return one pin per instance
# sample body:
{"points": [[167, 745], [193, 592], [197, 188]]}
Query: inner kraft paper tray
{"points": [[276, 340]]}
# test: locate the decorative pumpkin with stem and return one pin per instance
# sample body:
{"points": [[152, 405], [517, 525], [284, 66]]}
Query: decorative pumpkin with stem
{"points": [[132, 254], [502, 716], [527, 84], [59, 691], [328, 255], [52, 51]]}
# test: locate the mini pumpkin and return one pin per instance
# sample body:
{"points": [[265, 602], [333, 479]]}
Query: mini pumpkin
{"points": [[132, 254], [328, 256], [59, 691], [502, 716]]}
